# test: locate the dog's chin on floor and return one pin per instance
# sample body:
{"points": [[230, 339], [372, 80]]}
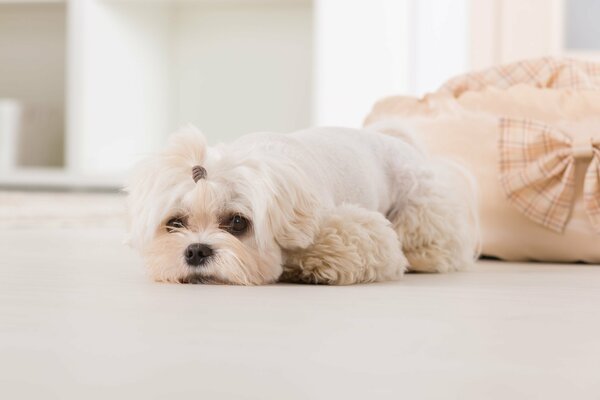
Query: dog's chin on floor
{"points": [[197, 279], [265, 209]]}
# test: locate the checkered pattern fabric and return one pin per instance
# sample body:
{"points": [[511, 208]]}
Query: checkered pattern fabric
{"points": [[591, 191], [537, 161], [543, 73], [537, 172]]}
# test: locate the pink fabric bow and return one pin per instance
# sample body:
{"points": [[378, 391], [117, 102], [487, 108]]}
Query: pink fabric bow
{"points": [[537, 172]]}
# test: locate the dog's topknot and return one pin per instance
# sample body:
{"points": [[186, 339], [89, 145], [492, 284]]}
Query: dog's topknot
{"points": [[198, 172]]}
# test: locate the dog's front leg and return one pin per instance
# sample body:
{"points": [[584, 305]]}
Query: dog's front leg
{"points": [[352, 245]]}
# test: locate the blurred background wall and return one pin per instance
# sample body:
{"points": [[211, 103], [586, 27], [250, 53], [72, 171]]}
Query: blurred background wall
{"points": [[89, 86]]}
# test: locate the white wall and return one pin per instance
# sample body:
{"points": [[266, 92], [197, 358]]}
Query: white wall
{"points": [[118, 93], [439, 43], [361, 50], [241, 68], [32, 72], [369, 49], [140, 70]]}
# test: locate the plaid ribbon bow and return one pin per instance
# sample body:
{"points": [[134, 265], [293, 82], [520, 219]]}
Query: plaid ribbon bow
{"points": [[537, 172]]}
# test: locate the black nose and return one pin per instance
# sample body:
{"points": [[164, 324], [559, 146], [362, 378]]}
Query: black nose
{"points": [[196, 254]]}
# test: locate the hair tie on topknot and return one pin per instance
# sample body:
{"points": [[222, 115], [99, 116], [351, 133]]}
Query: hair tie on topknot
{"points": [[198, 172]]}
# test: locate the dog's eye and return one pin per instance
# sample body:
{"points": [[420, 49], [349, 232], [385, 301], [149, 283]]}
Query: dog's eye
{"points": [[237, 225], [175, 223]]}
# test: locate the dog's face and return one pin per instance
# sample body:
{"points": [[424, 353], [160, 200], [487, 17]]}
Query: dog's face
{"points": [[230, 226]]}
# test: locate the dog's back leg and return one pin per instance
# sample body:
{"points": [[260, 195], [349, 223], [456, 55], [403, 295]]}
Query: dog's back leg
{"points": [[436, 221]]}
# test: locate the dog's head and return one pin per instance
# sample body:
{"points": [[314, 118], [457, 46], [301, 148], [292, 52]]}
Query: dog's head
{"points": [[220, 214]]}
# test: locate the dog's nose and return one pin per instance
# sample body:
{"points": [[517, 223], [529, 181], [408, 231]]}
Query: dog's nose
{"points": [[197, 253]]}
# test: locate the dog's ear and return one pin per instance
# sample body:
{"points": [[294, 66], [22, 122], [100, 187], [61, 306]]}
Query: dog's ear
{"points": [[294, 212]]}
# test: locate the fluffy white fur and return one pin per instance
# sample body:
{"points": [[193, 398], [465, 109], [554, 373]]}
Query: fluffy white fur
{"points": [[325, 205], [352, 245]]}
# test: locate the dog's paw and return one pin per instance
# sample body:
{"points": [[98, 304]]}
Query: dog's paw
{"points": [[352, 245]]}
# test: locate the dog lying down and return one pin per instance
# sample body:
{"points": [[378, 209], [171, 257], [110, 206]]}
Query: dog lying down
{"points": [[326, 205]]}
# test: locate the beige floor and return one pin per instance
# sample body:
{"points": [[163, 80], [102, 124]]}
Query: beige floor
{"points": [[79, 320]]}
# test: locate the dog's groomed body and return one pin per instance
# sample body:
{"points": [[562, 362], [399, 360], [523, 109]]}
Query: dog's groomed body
{"points": [[324, 205]]}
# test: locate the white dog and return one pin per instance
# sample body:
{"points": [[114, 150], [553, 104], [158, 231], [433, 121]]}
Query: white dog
{"points": [[325, 205]]}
